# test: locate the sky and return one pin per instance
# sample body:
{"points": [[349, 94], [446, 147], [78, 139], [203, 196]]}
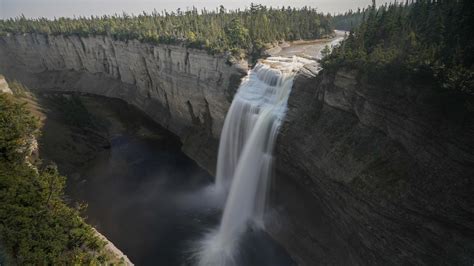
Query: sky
{"points": [[70, 8]]}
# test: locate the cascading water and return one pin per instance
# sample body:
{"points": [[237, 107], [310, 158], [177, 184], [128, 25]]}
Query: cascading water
{"points": [[245, 153]]}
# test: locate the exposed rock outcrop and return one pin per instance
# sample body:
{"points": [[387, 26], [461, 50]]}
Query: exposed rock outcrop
{"points": [[383, 174], [187, 91], [4, 85]]}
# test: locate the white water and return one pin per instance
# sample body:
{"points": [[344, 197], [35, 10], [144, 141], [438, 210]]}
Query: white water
{"points": [[245, 157], [245, 153]]}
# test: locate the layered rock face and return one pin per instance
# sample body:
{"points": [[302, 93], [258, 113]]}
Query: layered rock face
{"points": [[374, 175], [365, 175], [186, 90]]}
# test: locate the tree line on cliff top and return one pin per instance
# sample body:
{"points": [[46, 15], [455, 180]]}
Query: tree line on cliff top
{"points": [[423, 40], [239, 31]]}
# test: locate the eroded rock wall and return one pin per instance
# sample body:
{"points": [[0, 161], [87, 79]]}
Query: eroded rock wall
{"points": [[365, 175], [186, 90], [374, 175]]}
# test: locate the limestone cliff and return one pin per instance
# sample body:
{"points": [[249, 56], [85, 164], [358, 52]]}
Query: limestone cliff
{"points": [[186, 90], [365, 175], [374, 175]]}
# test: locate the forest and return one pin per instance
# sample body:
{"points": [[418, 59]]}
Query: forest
{"points": [[37, 227], [349, 20], [423, 40], [238, 31]]}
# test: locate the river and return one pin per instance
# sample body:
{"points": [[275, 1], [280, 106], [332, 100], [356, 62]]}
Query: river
{"points": [[143, 193]]}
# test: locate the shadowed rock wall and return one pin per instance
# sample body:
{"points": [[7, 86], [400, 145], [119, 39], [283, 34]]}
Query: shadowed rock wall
{"points": [[389, 170]]}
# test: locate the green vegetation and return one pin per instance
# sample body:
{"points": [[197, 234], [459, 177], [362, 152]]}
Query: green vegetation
{"points": [[17, 128], [217, 31], [74, 112], [350, 19], [36, 226], [425, 41]]}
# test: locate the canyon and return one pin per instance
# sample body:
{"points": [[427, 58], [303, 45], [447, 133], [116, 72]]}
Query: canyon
{"points": [[364, 174]]}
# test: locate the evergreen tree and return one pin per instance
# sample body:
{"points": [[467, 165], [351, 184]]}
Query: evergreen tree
{"points": [[422, 39], [216, 31], [36, 226]]}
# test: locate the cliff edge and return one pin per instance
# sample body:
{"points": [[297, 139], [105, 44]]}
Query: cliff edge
{"points": [[185, 90]]}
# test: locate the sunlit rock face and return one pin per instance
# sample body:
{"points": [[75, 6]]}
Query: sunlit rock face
{"points": [[186, 90], [4, 85]]}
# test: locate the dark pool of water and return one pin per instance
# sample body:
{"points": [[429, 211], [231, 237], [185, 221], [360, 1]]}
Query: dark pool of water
{"points": [[147, 197], [142, 198]]}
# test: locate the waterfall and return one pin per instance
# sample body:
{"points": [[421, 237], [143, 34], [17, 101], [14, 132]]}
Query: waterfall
{"points": [[245, 153]]}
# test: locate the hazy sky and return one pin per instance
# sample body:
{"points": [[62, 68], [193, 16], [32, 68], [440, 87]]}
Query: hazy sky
{"points": [[69, 8]]}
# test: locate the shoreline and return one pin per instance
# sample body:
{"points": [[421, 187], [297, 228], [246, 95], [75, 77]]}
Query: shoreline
{"points": [[112, 249]]}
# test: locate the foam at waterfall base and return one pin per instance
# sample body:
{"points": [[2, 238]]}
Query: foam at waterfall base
{"points": [[213, 251], [253, 248]]}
